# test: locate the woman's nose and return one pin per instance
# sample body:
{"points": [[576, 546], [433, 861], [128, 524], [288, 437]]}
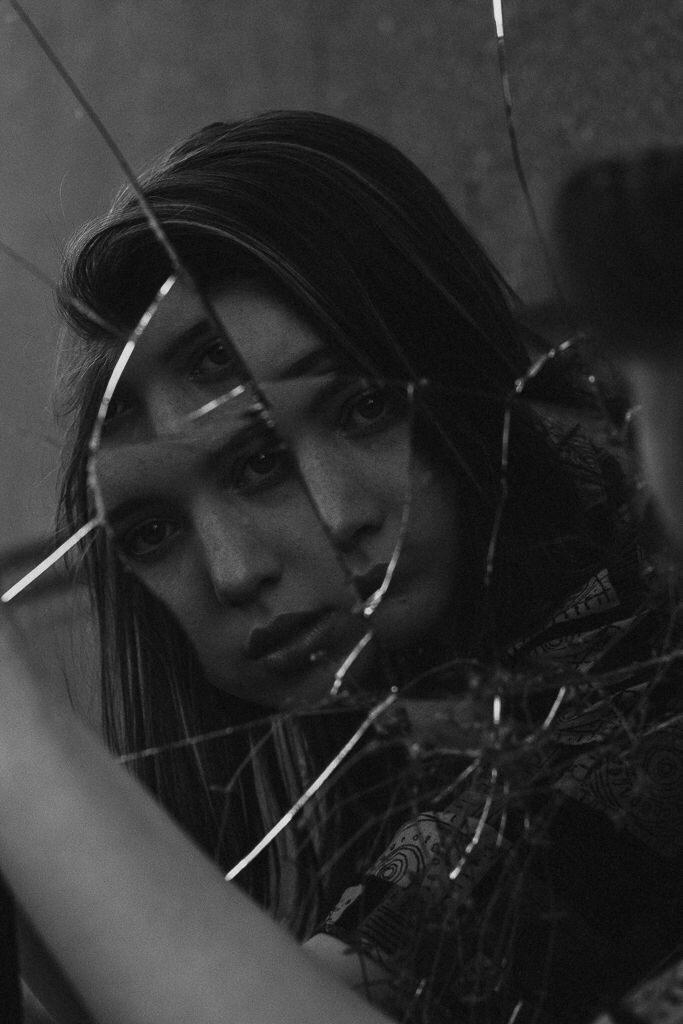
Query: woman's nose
{"points": [[346, 501], [239, 561]]}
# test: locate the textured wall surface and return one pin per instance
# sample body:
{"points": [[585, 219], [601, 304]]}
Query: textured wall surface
{"points": [[589, 77]]}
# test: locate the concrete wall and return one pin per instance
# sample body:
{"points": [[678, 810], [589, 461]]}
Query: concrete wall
{"points": [[589, 77]]}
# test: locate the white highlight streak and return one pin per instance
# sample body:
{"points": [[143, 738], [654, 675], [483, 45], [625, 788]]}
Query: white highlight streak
{"points": [[314, 786], [498, 17], [340, 674], [48, 562]]}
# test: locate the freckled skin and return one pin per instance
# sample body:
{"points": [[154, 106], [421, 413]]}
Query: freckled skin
{"points": [[236, 566]]}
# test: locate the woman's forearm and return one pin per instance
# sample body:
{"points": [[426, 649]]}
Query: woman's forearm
{"points": [[141, 921]]}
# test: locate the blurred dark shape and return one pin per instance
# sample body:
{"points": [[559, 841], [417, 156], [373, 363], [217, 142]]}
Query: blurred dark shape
{"points": [[10, 996], [619, 229], [619, 225]]}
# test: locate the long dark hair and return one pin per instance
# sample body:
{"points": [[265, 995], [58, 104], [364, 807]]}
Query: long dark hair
{"points": [[353, 235]]}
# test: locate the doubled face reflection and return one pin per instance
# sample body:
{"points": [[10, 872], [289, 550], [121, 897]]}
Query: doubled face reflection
{"points": [[282, 513]]}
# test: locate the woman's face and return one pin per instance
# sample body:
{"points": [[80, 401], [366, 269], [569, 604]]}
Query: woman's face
{"points": [[238, 554]]}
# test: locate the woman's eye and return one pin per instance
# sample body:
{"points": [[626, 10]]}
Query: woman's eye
{"points": [[371, 406], [147, 539], [369, 409], [213, 361], [264, 467]]}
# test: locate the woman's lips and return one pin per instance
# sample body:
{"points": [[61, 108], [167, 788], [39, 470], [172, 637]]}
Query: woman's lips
{"points": [[292, 641], [295, 641]]}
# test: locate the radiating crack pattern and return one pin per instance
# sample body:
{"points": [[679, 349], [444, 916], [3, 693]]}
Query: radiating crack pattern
{"points": [[483, 753]]}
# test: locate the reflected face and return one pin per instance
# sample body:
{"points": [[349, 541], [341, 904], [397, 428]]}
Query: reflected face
{"points": [[224, 527]]}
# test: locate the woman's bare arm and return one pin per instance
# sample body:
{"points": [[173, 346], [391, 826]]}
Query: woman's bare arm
{"points": [[140, 920], [45, 979]]}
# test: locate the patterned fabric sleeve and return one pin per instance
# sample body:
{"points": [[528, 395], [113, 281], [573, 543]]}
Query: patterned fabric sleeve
{"points": [[597, 895]]}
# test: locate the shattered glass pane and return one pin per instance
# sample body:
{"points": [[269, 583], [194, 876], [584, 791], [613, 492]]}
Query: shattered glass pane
{"points": [[398, 758]]}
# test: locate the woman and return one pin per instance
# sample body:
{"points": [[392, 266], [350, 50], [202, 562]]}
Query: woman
{"points": [[314, 240]]}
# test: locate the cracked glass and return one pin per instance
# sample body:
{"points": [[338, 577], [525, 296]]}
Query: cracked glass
{"points": [[242, 459]]}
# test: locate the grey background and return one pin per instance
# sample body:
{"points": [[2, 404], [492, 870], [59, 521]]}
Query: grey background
{"points": [[589, 78]]}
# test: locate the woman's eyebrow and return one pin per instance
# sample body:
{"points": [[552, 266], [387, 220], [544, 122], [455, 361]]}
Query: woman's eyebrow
{"points": [[316, 361]]}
